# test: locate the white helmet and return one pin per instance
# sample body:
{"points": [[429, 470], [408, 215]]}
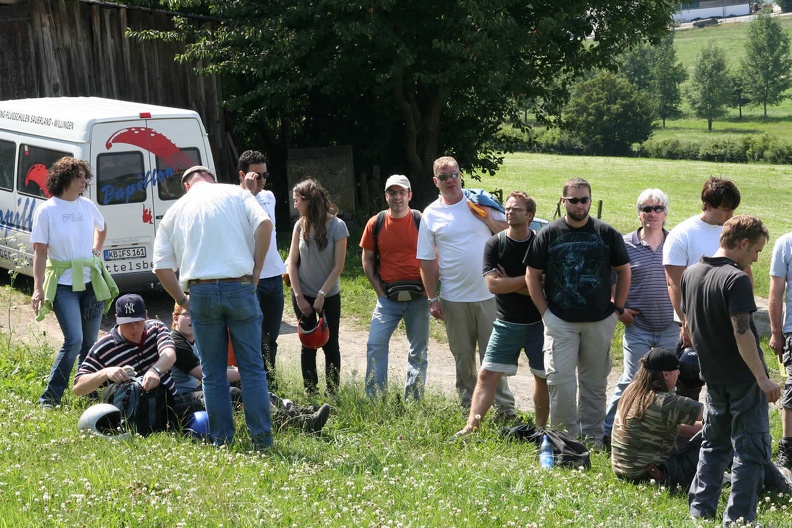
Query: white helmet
{"points": [[103, 419]]}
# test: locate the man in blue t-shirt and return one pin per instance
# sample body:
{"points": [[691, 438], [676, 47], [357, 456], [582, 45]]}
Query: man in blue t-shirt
{"points": [[575, 254]]}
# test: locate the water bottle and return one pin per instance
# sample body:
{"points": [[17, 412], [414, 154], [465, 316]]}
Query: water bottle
{"points": [[546, 459]]}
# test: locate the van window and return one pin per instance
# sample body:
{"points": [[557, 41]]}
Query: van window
{"points": [[170, 188], [32, 171], [7, 149], [120, 178]]}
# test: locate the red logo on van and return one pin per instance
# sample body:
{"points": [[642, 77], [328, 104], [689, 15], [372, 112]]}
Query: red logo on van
{"points": [[38, 175], [148, 218], [154, 142]]}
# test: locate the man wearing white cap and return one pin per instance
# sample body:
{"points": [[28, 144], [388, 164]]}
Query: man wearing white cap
{"points": [[389, 244], [217, 236]]}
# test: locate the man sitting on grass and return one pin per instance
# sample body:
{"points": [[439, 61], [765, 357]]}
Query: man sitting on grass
{"points": [[134, 347]]}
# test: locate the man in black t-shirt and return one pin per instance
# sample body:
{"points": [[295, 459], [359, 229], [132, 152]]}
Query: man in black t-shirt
{"points": [[717, 295], [576, 254], [518, 325]]}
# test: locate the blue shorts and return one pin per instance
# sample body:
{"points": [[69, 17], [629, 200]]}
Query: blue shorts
{"points": [[506, 342]]}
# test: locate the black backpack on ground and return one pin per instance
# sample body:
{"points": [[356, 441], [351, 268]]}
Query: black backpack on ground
{"points": [[143, 412], [568, 452]]}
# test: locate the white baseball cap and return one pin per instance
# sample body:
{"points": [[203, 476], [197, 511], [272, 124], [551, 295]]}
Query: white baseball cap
{"points": [[399, 180]]}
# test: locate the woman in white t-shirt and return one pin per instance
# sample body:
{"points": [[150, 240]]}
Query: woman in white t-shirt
{"points": [[316, 260], [68, 228]]}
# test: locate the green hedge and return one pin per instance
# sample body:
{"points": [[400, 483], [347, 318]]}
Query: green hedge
{"points": [[758, 148]]}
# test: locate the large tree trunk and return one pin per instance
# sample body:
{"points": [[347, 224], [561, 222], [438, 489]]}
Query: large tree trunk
{"points": [[421, 137]]}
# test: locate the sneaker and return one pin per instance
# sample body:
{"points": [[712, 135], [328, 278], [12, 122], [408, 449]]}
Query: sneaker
{"points": [[784, 457]]}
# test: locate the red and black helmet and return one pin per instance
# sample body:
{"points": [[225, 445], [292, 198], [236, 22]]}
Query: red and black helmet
{"points": [[313, 336]]}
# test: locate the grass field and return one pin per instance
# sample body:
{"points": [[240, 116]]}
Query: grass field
{"points": [[384, 463]]}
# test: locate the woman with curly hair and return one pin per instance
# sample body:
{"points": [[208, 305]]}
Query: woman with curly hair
{"points": [[316, 260], [69, 276]]}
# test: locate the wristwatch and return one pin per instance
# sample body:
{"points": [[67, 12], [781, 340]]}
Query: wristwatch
{"points": [[620, 310], [432, 300], [156, 369]]}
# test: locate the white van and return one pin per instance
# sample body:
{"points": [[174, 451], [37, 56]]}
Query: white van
{"points": [[137, 153]]}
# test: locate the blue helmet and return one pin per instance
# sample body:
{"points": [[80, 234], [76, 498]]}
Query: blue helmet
{"points": [[197, 424]]}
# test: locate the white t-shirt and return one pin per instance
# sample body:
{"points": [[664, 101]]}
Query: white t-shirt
{"points": [[208, 233], [273, 263], [689, 241], [781, 266], [459, 238], [68, 230]]}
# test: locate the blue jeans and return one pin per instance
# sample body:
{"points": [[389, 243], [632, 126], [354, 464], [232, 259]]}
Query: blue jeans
{"points": [[636, 344], [384, 321], [735, 416], [270, 298], [79, 315], [217, 310]]}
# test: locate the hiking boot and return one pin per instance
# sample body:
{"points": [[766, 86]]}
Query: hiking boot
{"points": [[786, 487], [312, 423], [784, 457]]}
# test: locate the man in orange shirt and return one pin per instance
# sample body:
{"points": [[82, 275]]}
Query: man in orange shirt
{"points": [[389, 245]]}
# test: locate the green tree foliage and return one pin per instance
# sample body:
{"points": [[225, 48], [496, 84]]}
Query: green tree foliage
{"points": [[608, 114], [656, 70], [767, 63], [668, 74], [709, 90], [740, 94], [404, 82]]}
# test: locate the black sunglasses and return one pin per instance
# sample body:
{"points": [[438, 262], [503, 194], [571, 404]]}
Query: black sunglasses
{"points": [[575, 201], [655, 208], [262, 175]]}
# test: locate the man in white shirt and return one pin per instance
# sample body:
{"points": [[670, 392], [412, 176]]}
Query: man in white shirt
{"points": [[217, 237], [696, 237], [253, 176], [455, 233]]}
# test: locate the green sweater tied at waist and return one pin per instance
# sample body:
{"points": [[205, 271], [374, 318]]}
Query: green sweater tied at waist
{"points": [[104, 286]]}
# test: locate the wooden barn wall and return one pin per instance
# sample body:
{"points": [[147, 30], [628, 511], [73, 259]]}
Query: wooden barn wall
{"points": [[52, 48]]}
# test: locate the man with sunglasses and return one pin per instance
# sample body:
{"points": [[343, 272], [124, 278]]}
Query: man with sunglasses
{"points": [[253, 176], [579, 309], [648, 316], [451, 246]]}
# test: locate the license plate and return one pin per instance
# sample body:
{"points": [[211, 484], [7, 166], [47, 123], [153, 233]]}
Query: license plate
{"points": [[124, 253]]}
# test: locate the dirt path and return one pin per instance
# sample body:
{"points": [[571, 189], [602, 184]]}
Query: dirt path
{"points": [[23, 327]]}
